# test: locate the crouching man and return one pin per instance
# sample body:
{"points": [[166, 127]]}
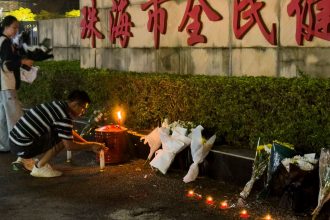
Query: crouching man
{"points": [[47, 129]]}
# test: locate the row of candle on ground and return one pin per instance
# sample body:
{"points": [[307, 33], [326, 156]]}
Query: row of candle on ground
{"points": [[223, 205]]}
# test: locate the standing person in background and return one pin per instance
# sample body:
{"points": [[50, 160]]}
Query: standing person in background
{"points": [[10, 63]]}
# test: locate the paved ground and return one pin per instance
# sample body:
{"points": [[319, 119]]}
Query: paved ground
{"points": [[126, 191]]}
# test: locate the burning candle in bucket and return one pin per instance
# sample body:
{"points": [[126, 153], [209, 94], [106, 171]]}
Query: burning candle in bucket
{"points": [[119, 118]]}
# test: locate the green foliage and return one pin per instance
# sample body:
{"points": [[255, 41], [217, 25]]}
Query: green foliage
{"points": [[238, 109]]}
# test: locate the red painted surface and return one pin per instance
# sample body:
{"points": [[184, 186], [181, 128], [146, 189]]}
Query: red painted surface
{"points": [[249, 11], [120, 23], [194, 29], [312, 19], [157, 19], [87, 24]]}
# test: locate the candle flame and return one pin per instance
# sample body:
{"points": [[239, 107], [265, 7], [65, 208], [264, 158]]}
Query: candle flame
{"points": [[244, 214], [224, 205], [119, 115], [209, 200], [268, 217], [190, 193]]}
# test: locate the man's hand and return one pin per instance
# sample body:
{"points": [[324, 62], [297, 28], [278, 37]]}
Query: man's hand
{"points": [[27, 62], [98, 146], [86, 145]]}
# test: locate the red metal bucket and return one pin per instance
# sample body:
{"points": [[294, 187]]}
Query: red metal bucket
{"points": [[115, 138]]}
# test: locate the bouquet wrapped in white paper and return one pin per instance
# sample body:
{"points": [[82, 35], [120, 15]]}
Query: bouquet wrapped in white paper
{"points": [[324, 172], [199, 151], [171, 145], [153, 140], [177, 128]]}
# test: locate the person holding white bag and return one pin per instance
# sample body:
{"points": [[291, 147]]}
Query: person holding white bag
{"points": [[10, 64]]}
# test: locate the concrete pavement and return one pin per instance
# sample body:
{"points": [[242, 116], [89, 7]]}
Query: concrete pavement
{"points": [[124, 191]]}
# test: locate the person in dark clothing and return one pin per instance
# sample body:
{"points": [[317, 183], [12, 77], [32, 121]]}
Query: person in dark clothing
{"points": [[10, 63], [47, 129]]}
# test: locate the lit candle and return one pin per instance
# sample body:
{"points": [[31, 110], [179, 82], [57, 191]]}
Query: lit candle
{"points": [[68, 156], [224, 205], [268, 217], [102, 162], [119, 117], [209, 200], [190, 193], [244, 214]]}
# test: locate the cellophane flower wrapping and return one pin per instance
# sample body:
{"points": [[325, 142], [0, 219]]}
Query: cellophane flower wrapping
{"points": [[260, 164], [324, 174], [279, 152], [199, 151], [97, 119]]}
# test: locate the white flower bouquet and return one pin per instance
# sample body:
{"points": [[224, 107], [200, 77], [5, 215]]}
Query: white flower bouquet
{"points": [[178, 129], [199, 150], [171, 145], [306, 162]]}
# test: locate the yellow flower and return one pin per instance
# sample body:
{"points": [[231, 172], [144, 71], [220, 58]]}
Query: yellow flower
{"points": [[260, 147], [263, 147]]}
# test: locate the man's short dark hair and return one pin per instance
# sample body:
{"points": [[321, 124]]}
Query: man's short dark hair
{"points": [[79, 96]]}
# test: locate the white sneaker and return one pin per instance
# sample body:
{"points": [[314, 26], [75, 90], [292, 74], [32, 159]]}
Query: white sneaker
{"points": [[45, 171], [24, 164]]}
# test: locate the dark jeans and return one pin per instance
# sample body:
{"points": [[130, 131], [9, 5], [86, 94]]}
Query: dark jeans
{"points": [[39, 146]]}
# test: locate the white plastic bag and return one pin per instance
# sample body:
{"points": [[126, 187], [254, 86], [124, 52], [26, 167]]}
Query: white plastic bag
{"points": [[29, 75]]}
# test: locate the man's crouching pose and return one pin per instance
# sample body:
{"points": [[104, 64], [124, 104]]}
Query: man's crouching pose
{"points": [[48, 128]]}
